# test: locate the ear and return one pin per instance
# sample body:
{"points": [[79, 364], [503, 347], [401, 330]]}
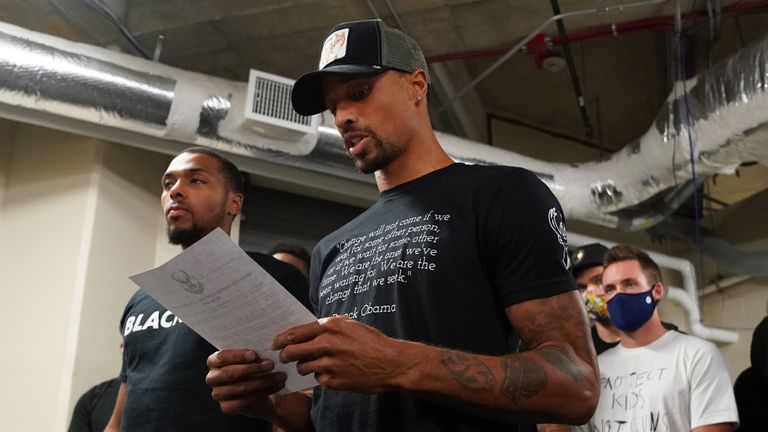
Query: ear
{"points": [[235, 203], [418, 84], [657, 291]]}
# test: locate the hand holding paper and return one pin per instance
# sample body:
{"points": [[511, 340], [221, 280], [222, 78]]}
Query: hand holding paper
{"points": [[228, 299]]}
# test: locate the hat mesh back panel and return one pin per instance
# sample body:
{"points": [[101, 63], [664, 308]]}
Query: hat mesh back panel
{"points": [[400, 52]]}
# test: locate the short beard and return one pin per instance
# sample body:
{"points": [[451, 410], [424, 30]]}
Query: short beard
{"points": [[185, 238], [384, 156]]}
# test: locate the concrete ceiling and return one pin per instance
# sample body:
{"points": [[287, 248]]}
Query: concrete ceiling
{"points": [[625, 78]]}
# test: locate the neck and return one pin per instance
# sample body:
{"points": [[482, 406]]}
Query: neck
{"points": [[423, 155], [645, 335], [226, 228]]}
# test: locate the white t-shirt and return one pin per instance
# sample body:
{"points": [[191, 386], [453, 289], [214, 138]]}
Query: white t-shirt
{"points": [[675, 384]]}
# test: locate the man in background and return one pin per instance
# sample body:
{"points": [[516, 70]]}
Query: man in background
{"points": [[587, 268], [94, 408], [164, 361], [655, 379], [751, 387], [293, 254]]}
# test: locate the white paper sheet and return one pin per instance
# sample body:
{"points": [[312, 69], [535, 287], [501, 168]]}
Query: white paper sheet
{"points": [[228, 299]]}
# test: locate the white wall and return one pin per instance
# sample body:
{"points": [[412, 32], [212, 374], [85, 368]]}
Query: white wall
{"points": [[739, 308], [123, 238], [77, 217], [44, 207]]}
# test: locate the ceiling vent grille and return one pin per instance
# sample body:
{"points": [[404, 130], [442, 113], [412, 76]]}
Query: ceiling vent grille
{"points": [[269, 110]]}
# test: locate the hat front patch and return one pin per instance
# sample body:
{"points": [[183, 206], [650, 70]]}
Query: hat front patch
{"points": [[334, 47]]}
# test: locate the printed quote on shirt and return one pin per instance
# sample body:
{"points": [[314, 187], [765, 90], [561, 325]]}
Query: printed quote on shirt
{"points": [[390, 254]]}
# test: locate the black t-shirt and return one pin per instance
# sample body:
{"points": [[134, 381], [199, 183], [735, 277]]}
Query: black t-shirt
{"points": [[164, 365], [751, 387], [94, 408], [600, 344], [751, 392], [437, 260]]}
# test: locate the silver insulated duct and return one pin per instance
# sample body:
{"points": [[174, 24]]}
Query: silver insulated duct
{"points": [[636, 188]]}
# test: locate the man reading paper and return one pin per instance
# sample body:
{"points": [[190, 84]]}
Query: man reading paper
{"points": [[164, 362]]}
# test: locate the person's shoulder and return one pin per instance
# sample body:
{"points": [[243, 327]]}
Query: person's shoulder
{"points": [[344, 232], [138, 298], [106, 385], [610, 352], [672, 326], [286, 274], [274, 266], [609, 358], [677, 337], [691, 344], [138, 295], [510, 182], [496, 172]]}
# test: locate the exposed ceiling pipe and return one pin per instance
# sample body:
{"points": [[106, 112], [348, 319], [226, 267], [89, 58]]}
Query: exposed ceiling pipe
{"points": [[512, 51], [572, 72], [724, 254], [681, 297], [724, 284], [687, 297], [611, 30], [90, 85]]}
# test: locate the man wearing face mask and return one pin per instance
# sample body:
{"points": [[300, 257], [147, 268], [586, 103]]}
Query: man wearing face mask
{"points": [[655, 379], [587, 269]]}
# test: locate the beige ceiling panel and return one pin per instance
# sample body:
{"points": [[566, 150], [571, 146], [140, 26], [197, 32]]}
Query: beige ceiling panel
{"points": [[186, 40], [287, 56], [497, 23], [409, 6], [315, 15], [434, 29], [152, 15], [210, 62]]}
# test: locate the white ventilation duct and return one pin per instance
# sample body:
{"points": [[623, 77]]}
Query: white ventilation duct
{"points": [[728, 108]]}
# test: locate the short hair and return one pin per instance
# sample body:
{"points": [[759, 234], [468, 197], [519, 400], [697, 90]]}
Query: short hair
{"points": [[232, 175], [293, 249], [625, 252]]}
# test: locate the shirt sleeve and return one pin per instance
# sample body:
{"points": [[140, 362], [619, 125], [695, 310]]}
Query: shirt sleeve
{"points": [[123, 372], [81, 414], [123, 376], [528, 241], [712, 399]]}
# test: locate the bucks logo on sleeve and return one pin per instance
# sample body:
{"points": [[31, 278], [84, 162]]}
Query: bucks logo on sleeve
{"points": [[558, 226]]}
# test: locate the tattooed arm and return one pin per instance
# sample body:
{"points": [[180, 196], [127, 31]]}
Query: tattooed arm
{"points": [[556, 381]]}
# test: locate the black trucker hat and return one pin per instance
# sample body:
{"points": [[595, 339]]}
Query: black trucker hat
{"points": [[356, 47], [590, 255]]}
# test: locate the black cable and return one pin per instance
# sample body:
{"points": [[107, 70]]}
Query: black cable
{"points": [[64, 12], [104, 11], [572, 71]]}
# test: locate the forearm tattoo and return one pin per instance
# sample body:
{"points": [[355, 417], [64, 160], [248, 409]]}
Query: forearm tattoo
{"points": [[523, 377], [559, 358], [469, 372]]}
